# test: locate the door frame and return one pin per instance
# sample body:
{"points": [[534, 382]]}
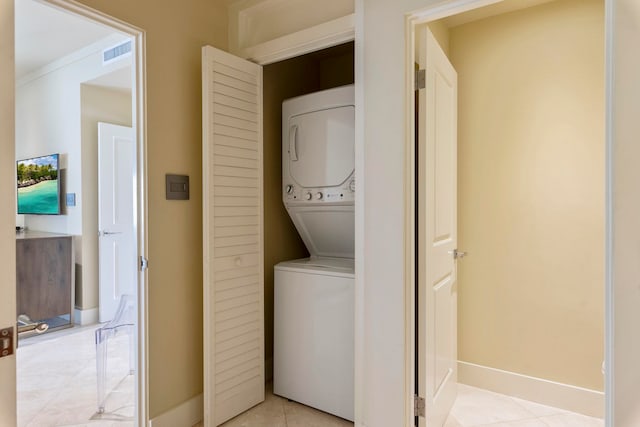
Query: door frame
{"points": [[139, 122], [433, 13]]}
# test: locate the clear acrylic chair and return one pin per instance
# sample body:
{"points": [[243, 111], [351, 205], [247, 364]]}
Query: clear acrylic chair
{"points": [[123, 321]]}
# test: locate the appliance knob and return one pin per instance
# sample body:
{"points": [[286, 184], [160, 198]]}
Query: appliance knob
{"points": [[308, 196], [289, 189], [319, 196], [352, 185]]}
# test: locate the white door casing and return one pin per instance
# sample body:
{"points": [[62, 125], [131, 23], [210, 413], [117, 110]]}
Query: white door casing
{"points": [[437, 234], [117, 247], [7, 209], [233, 255]]}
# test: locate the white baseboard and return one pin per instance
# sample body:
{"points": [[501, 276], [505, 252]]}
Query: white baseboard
{"points": [[85, 317], [185, 415], [550, 393]]}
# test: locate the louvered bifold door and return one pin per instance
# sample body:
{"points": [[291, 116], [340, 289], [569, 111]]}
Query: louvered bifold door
{"points": [[232, 236]]}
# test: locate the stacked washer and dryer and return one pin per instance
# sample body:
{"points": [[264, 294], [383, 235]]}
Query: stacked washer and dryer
{"points": [[314, 297]]}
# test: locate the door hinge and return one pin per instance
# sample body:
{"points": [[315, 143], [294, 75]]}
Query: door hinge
{"points": [[144, 263], [420, 79], [419, 406]]}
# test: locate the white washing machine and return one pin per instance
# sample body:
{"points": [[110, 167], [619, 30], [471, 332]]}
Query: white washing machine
{"points": [[314, 335], [314, 297]]}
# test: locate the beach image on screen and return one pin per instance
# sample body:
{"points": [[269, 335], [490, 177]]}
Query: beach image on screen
{"points": [[38, 185]]}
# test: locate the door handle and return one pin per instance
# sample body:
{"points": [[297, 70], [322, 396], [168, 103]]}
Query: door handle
{"points": [[293, 143], [457, 254], [108, 233]]}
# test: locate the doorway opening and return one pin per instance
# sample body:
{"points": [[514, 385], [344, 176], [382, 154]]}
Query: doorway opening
{"points": [[239, 268], [80, 365], [531, 183]]}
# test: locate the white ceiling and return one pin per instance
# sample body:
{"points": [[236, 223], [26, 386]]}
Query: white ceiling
{"points": [[44, 34]]}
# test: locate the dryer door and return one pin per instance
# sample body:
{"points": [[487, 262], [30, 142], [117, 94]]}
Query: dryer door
{"points": [[321, 147]]}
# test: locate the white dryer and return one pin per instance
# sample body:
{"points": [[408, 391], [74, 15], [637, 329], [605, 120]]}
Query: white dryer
{"points": [[314, 297], [318, 166]]}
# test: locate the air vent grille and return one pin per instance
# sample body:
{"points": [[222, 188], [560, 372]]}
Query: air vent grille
{"points": [[117, 52]]}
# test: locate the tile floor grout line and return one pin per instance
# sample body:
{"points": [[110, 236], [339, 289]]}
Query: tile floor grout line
{"points": [[518, 401], [284, 411], [535, 417], [543, 421]]}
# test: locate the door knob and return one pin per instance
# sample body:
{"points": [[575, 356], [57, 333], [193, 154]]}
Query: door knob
{"points": [[108, 233], [457, 254]]}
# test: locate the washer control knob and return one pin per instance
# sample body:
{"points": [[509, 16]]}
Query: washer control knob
{"points": [[352, 185], [289, 189], [319, 196], [308, 196]]}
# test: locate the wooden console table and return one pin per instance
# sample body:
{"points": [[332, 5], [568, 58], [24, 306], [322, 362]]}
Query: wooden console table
{"points": [[45, 276]]}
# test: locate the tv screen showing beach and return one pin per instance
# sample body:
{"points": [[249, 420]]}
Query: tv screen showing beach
{"points": [[38, 189]]}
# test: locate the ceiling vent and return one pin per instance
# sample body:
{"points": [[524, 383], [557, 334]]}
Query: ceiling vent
{"points": [[116, 53]]}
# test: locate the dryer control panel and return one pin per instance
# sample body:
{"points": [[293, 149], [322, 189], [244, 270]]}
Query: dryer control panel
{"points": [[294, 194]]}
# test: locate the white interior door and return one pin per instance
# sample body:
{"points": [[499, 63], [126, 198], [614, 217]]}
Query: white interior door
{"points": [[437, 236], [7, 213], [116, 216], [233, 256]]}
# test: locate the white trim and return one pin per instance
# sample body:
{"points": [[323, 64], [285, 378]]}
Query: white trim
{"points": [[609, 366], [550, 393], [410, 221], [448, 8], [7, 240], [359, 217], [85, 317], [139, 122], [253, 36], [187, 414], [321, 36]]}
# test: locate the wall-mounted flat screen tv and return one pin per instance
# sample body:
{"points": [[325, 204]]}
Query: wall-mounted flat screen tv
{"points": [[39, 185]]}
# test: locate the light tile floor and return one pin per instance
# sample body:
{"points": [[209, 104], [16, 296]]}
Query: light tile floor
{"points": [[276, 411], [56, 382], [474, 407], [57, 387]]}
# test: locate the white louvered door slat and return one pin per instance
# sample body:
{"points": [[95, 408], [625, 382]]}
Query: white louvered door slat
{"points": [[233, 243]]}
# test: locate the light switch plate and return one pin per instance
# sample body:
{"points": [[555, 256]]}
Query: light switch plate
{"points": [[177, 187]]}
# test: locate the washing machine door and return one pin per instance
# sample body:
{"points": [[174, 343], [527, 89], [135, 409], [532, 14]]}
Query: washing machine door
{"points": [[320, 150]]}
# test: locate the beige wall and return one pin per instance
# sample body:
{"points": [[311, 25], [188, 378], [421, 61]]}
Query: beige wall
{"points": [[97, 104], [441, 33], [531, 191], [283, 80], [175, 32]]}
